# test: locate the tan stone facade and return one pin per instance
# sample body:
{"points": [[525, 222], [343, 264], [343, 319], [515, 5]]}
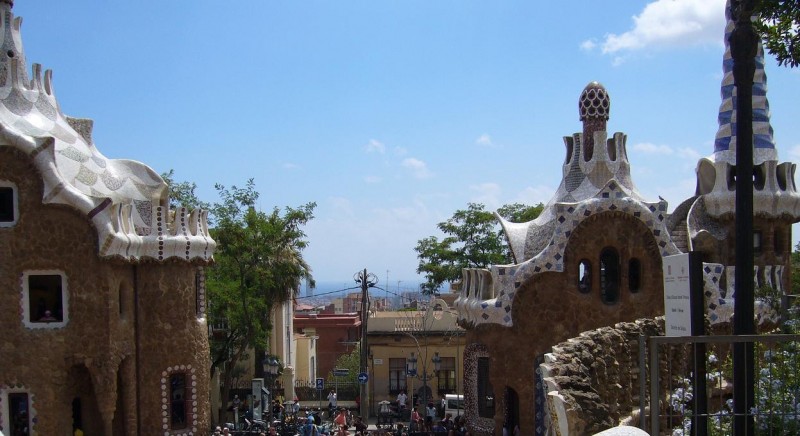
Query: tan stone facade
{"points": [[126, 326], [102, 286]]}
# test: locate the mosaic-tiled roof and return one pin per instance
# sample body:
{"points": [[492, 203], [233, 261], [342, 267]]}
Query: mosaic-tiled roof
{"points": [[596, 179], [126, 200]]}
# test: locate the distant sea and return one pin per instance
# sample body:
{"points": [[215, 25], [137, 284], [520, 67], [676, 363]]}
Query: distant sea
{"points": [[328, 290]]}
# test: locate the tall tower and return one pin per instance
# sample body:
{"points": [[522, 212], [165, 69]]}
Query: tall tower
{"points": [[776, 202]]}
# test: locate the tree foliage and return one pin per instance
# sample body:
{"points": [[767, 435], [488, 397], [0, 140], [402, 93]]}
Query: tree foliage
{"points": [[473, 239], [182, 194], [258, 265], [778, 24]]}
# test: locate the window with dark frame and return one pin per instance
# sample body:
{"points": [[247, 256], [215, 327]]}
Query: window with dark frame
{"points": [[778, 242], [584, 276], [485, 390], [609, 275], [18, 414], [177, 395], [397, 376], [45, 298], [447, 376], [7, 213]]}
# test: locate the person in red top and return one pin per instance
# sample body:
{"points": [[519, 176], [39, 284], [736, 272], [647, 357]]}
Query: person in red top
{"points": [[341, 418], [415, 419]]}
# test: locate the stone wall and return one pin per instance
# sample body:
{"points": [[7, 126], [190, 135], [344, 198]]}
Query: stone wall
{"points": [[593, 380], [95, 354]]}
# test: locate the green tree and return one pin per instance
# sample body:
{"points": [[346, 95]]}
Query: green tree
{"points": [[258, 265], [182, 194], [778, 25], [473, 239]]}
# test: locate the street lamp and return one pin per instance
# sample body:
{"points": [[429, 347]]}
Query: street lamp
{"points": [[411, 371], [271, 366]]}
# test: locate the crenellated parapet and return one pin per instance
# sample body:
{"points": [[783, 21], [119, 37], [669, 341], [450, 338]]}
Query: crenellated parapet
{"points": [[125, 200], [774, 191]]}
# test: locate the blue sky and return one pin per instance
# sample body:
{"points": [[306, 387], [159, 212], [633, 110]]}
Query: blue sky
{"points": [[391, 115]]}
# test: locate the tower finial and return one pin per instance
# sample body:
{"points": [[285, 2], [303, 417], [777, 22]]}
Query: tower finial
{"points": [[725, 142], [594, 107]]}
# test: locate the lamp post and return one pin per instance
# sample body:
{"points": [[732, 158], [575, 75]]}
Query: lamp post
{"points": [[271, 366], [411, 370]]}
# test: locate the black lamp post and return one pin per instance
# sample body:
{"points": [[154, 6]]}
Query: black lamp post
{"points": [[271, 366], [411, 371]]}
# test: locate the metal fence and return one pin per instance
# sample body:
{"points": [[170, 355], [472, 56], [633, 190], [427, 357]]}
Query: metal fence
{"points": [[672, 407]]}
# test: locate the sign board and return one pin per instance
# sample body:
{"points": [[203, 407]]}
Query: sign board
{"points": [[677, 296], [258, 403], [320, 384], [377, 361], [363, 377], [341, 372], [411, 372]]}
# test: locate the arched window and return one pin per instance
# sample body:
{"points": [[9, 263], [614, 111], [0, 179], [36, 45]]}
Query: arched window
{"points": [[609, 275], [584, 276], [634, 275]]}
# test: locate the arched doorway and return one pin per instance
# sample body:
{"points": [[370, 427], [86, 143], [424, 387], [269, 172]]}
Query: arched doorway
{"points": [[85, 413]]}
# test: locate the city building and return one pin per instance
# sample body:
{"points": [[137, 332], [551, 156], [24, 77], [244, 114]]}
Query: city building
{"points": [[430, 338], [102, 284], [336, 334], [594, 256]]}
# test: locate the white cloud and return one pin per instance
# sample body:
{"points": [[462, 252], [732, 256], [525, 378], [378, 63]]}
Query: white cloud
{"points": [[588, 45], [533, 195], [689, 154], [484, 140], [647, 147], [668, 23], [418, 168], [375, 146], [794, 153], [487, 194], [290, 166], [372, 179]]}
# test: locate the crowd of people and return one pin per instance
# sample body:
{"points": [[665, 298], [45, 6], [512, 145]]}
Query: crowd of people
{"points": [[433, 421]]}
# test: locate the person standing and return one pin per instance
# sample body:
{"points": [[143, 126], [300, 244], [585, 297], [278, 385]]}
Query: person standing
{"points": [[413, 424], [401, 401], [332, 401]]}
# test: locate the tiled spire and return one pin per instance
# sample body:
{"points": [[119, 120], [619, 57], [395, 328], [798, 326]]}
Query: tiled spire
{"points": [[725, 143]]}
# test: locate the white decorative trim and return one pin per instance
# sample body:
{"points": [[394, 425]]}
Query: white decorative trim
{"points": [[7, 184], [26, 304], [4, 423], [200, 291], [191, 386]]}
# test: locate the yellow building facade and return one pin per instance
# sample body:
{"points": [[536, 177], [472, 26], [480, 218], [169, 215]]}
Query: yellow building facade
{"points": [[397, 337]]}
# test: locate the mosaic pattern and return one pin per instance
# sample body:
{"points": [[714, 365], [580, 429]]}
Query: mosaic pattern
{"points": [[200, 285], [191, 386], [775, 194], [589, 187], [725, 143], [74, 171], [488, 296], [476, 424], [542, 411], [720, 299]]}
